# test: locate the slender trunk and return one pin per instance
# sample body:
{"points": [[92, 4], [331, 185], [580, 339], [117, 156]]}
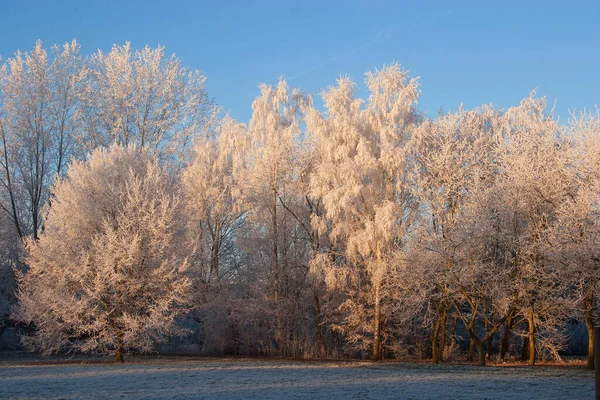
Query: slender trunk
{"points": [[318, 323], [453, 334], [278, 333], [34, 216], [119, 352], [199, 334], [8, 185], [377, 326], [505, 345], [589, 323], [531, 337], [215, 262], [214, 258], [486, 328], [454, 325], [471, 327]]}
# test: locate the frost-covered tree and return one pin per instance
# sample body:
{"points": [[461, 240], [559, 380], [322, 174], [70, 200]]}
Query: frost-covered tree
{"points": [[214, 216], [143, 98], [533, 179], [363, 183], [106, 275], [39, 96], [211, 189], [39, 116], [577, 232], [273, 132], [452, 167]]}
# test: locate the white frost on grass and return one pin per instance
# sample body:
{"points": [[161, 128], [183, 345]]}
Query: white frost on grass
{"points": [[251, 379]]}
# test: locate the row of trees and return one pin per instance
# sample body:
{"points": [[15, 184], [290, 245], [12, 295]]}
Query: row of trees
{"points": [[353, 229]]}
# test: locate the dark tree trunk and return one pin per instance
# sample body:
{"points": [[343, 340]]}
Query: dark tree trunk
{"points": [[275, 252], [377, 326], [505, 343], [589, 324], [318, 322], [435, 353], [471, 350], [471, 327], [481, 353], [443, 336], [119, 352], [525, 349], [531, 337]]}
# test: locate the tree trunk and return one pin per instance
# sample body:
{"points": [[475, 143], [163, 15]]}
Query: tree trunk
{"points": [[9, 186], [481, 353], [525, 349], [119, 352], [434, 338], [589, 324], [471, 327], [278, 333], [505, 345], [214, 256], [471, 350], [531, 337], [377, 326], [318, 323], [443, 336]]}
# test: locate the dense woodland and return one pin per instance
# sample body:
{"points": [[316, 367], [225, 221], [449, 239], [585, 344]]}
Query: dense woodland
{"points": [[134, 211]]}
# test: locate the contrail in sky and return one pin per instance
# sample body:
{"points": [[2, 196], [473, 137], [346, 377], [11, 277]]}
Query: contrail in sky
{"points": [[383, 34]]}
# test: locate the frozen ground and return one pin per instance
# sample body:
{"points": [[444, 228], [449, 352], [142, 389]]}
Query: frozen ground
{"points": [[252, 379]]}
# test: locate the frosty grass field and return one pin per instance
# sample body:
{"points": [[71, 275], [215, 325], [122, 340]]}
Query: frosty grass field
{"points": [[258, 379]]}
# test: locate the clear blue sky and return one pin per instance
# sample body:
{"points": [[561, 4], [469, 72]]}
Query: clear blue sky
{"points": [[465, 52]]}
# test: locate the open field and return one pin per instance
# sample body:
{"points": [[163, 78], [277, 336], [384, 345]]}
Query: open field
{"points": [[257, 379]]}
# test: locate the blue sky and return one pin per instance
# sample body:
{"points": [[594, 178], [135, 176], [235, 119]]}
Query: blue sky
{"points": [[464, 52]]}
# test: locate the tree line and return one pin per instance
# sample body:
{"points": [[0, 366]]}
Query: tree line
{"points": [[329, 226]]}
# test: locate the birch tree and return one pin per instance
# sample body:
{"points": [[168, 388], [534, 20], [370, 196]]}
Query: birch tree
{"points": [[39, 98], [212, 190], [105, 275], [362, 181], [273, 130]]}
